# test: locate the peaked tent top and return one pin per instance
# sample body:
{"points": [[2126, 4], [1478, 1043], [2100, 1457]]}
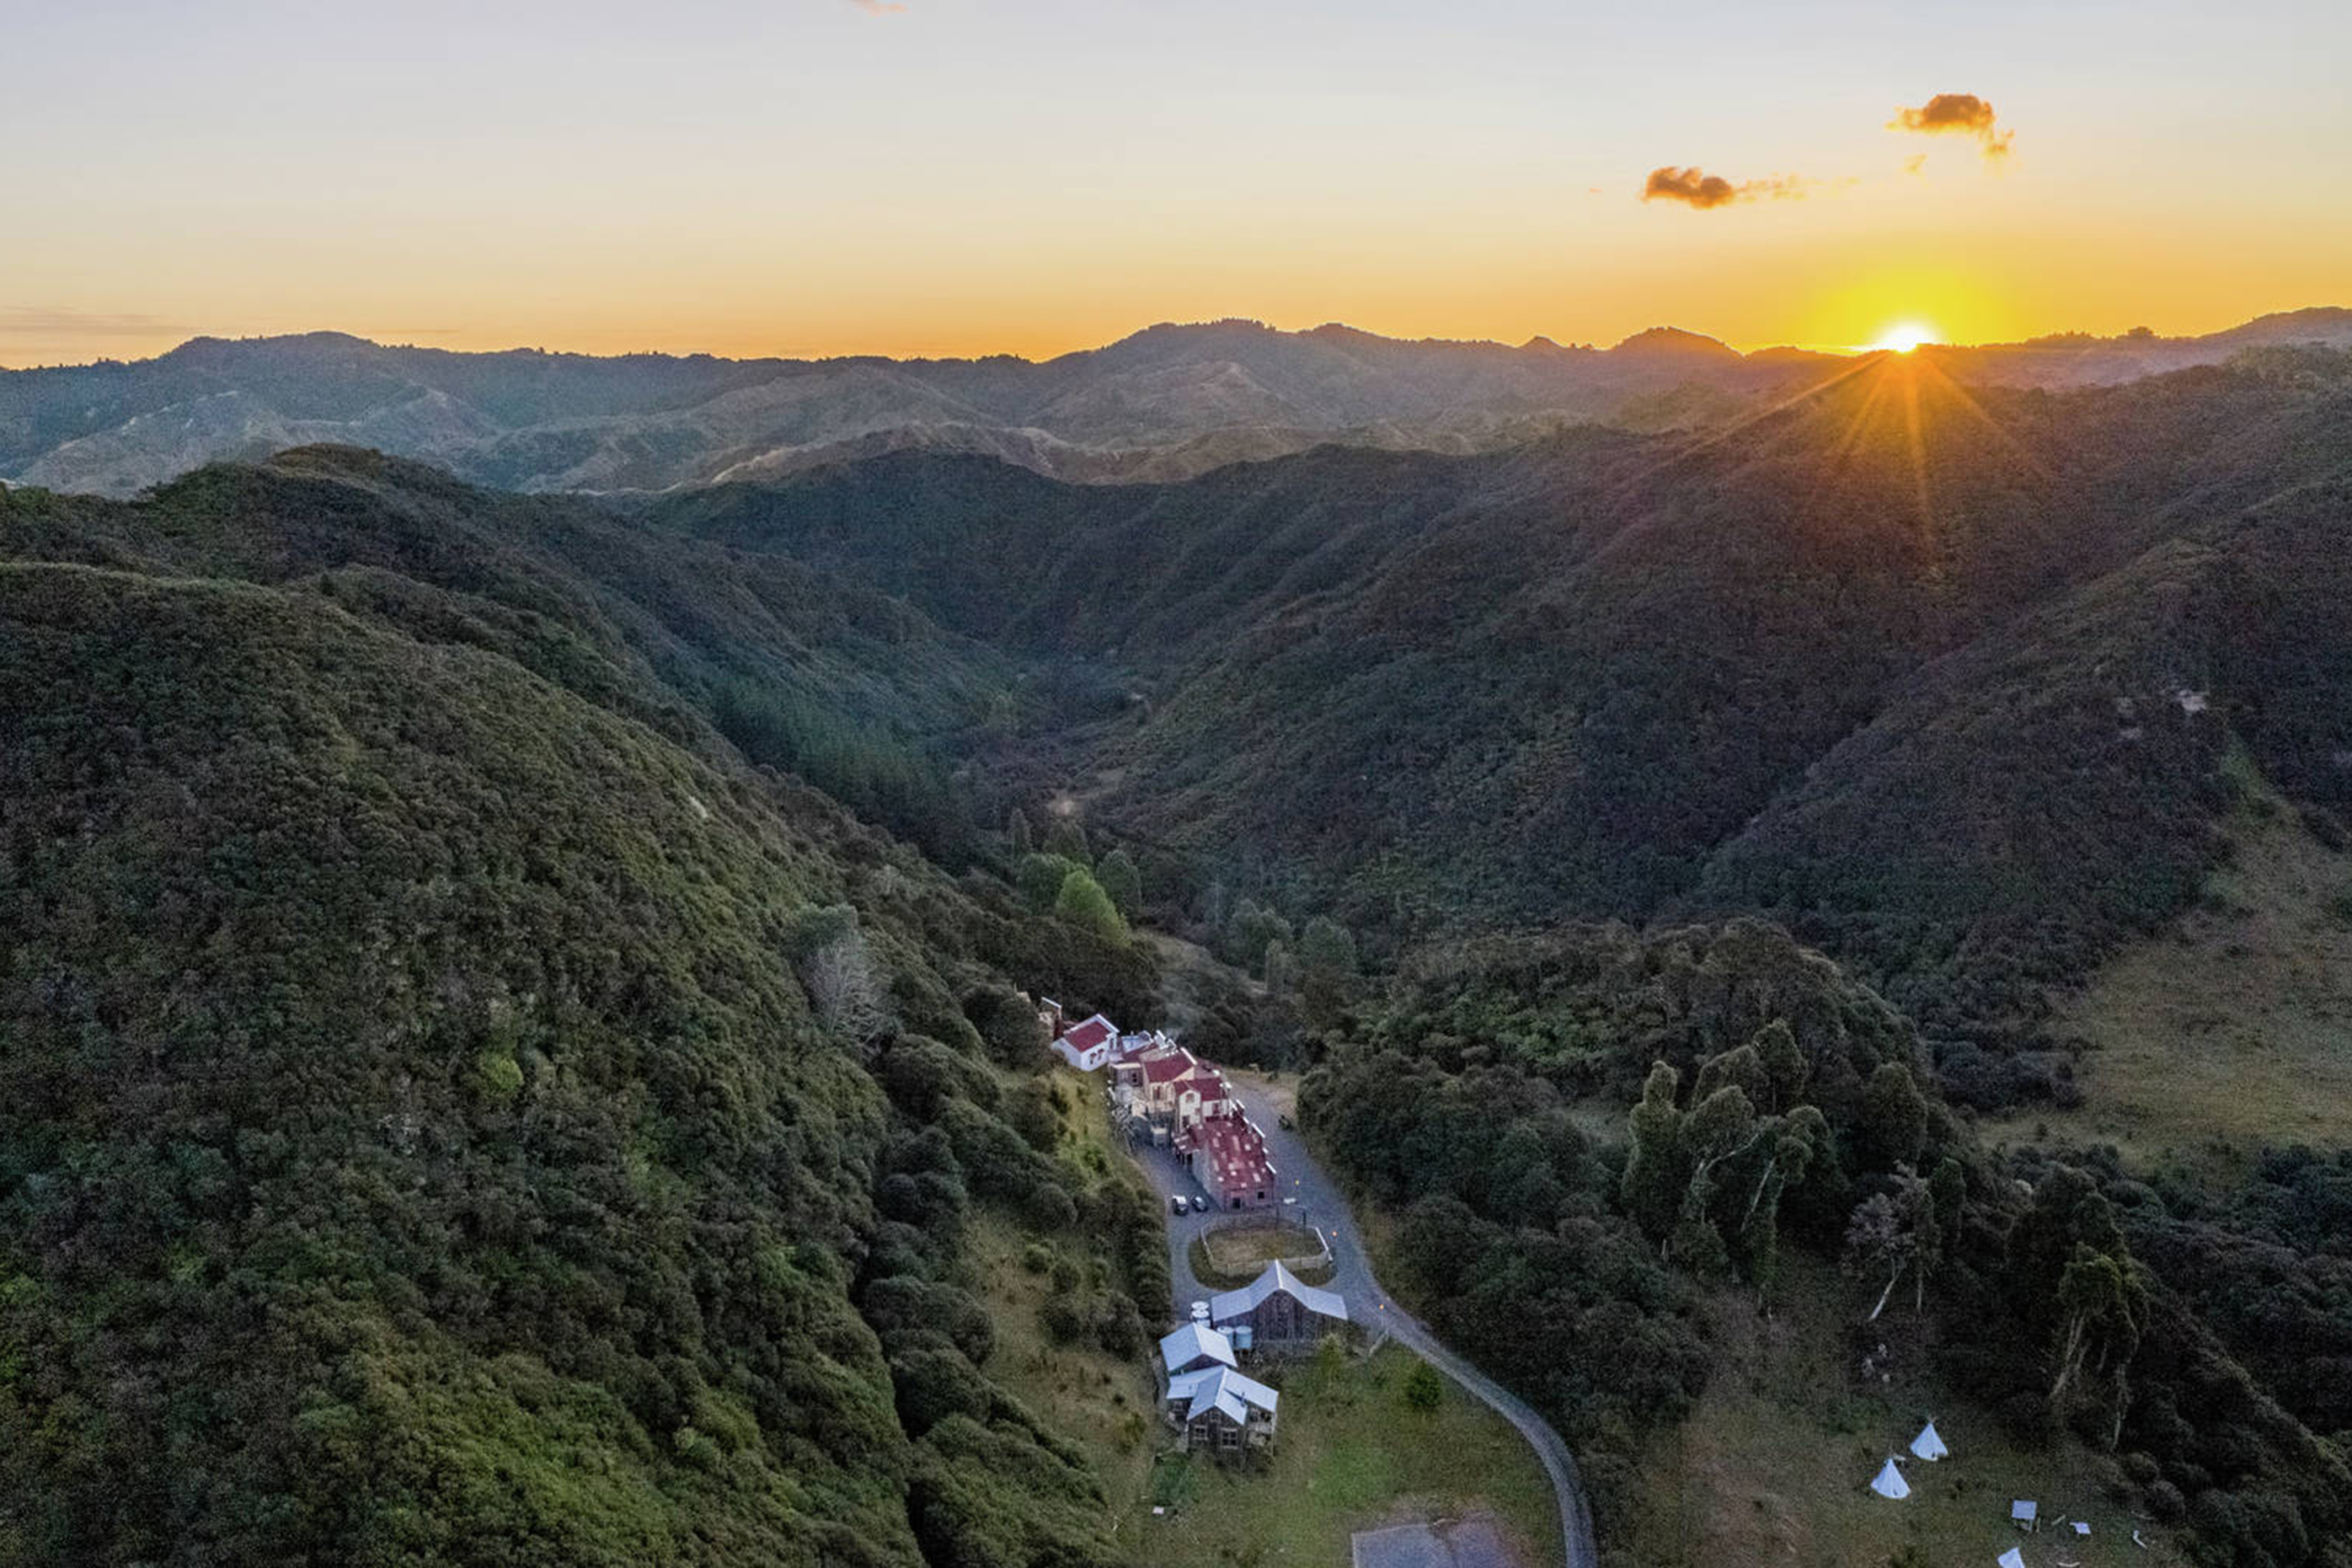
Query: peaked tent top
{"points": [[2012, 1558], [1889, 1482], [1929, 1445]]}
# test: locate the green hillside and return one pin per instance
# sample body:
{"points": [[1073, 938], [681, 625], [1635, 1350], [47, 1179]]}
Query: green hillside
{"points": [[451, 1108]]}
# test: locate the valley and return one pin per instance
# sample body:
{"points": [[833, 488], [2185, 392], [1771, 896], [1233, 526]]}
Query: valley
{"points": [[1688, 891]]}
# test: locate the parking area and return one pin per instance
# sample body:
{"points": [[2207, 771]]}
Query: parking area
{"points": [[1453, 1544]]}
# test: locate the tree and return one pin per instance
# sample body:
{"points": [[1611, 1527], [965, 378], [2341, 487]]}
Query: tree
{"points": [[839, 972], [1280, 968], [1083, 904], [2103, 1303], [1249, 930], [1327, 948], [1117, 874], [1657, 1173], [1742, 1068], [1066, 836], [1010, 1028], [1784, 1063], [1423, 1389], [1894, 1234], [1016, 832], [1894, 1117], [1949, 1187], [1040, 878]]}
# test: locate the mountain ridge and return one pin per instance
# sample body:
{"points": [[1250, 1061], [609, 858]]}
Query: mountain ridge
{"points": [[1164, 403]]}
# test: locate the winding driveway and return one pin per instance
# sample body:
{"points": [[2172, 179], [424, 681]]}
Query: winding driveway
{"points": [[1319, 1203]]}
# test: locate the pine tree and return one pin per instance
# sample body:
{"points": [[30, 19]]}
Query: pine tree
{"points": [[1016, 832]]}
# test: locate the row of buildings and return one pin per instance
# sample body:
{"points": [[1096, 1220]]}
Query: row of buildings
{"points": [[1209, 1400], [1161, 1092]]}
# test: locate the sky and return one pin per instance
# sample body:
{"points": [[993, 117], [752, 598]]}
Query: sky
{"points": [[810, 177]]}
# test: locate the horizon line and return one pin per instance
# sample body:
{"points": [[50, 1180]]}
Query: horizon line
{"points": [[1536, 341]]}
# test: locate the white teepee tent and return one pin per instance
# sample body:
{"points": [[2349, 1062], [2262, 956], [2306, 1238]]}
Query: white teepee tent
{"points": [[1889, 1482], [2012, 1558], [1928, 1445]]}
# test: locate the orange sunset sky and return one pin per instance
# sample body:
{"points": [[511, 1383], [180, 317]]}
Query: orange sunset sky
{"points": [[963, 176]]}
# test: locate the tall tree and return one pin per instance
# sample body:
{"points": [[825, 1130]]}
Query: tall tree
{"points": [[1894, 1117], [1657, 1172], [1121, 879], [1083, 904]]}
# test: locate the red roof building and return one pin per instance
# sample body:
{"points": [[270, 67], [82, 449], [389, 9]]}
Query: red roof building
{"points": [[1088, 1045], [1229, 1158]]}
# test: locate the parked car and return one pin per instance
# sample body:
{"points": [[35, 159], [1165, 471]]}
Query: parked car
{"points": [[1200, 1205], [1176, 1204]]}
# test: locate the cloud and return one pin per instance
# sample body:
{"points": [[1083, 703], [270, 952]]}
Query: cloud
{"points": [[1694, 189], [49, 321], [1959, 114], [880, 7], [1916, 165]]}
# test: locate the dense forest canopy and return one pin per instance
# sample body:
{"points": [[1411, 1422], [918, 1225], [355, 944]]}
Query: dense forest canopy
{"points": [[451, 1107]]}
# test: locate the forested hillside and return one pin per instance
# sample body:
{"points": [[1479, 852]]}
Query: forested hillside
{"points": [[1951, 679], [1584, 1133], [452, 1108]]}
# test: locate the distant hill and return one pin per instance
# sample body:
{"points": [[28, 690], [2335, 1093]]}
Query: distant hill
{"points": [[1167, 403]]}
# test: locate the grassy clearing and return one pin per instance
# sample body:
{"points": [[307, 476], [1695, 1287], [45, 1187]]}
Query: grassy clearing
{"points": [[2232, 1029], [1205, 1270], [1775, 1464], [1351, 1456], [1248, 1248]]}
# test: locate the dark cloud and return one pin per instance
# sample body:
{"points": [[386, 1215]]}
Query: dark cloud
{"points": [[1961, 114], [1694, 189]]}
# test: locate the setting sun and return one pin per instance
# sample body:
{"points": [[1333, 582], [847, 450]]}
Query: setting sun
{"points": [[1902, 337]]}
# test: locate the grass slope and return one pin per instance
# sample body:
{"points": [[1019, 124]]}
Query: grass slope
{"points": [[1773, 1466], [2231, 1029]]}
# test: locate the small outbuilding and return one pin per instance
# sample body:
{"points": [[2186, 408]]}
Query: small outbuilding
{"points": [[1929, 1445], [1889, 1482], [1087, 1045], [1194, 1348]]}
